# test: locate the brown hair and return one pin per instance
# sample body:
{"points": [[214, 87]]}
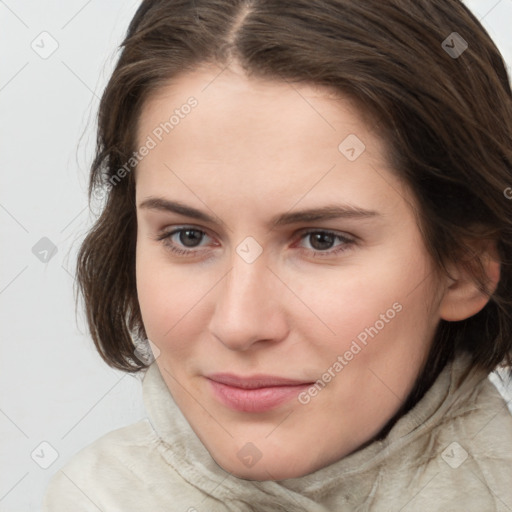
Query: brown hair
{"points": [[446, 119]]}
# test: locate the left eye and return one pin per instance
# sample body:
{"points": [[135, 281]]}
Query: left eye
{"points": [[189, 239], [319, 240]]}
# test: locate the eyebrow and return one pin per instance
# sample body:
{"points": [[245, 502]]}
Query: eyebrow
{"points": [[327, 212]]}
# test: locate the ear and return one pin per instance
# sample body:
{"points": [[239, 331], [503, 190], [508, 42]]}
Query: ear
{"points": [[463, 296]]}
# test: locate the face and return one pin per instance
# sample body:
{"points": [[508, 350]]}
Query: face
{"points": [[280, 271]]}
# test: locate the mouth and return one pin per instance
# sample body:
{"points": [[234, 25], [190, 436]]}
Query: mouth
{"points": [[257, 393]]}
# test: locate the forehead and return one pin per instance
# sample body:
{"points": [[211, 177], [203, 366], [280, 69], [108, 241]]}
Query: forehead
{"points": [[228, 101], [256, 137]]}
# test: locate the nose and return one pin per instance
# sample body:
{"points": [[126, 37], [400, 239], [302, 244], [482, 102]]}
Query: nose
{"points": [[249, 309]]}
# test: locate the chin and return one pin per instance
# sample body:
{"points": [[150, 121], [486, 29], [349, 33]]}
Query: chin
{"points": [[265, 470]]}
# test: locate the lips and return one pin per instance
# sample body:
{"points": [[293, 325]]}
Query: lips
{"points": [[257, 393]]}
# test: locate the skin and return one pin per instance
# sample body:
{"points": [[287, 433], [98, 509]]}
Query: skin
{"points": [[252, 149]]}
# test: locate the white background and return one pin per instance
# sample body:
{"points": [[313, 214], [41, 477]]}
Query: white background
{"points": [[54, 386]]}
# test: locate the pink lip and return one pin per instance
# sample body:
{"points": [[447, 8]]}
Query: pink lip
{"points": [[258, 393]]}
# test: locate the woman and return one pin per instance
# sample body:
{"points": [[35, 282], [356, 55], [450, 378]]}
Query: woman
{"points": [[307, 223]]}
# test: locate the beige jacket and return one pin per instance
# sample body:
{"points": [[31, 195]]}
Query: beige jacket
{"points": [[451, 452]]}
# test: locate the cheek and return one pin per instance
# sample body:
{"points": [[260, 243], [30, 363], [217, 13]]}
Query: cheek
{"points": [[154, 294], [343, 304], [377, 309], [382, 334], [171, 300]]}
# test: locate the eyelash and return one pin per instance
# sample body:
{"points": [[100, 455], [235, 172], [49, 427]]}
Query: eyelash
{"points": [[166, 236]]}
